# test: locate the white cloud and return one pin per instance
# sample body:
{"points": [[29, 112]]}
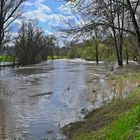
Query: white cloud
{"points": [[38, 10], [27, 3], [44, 14], [64, 22], [50, 19], [66, 8], [42, 7], [36, 14]]}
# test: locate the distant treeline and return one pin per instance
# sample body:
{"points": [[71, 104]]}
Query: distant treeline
{"points": [[105, 50]]}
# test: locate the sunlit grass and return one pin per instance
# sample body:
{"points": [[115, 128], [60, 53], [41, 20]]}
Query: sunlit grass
{"points": [[4, 58], [120, 129], [56, 57]]}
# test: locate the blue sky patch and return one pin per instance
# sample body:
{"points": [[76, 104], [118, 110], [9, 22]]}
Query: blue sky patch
{"points": [[50, 14]]}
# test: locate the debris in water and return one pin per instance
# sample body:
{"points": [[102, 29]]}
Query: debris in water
{"points": [[42, 94]]}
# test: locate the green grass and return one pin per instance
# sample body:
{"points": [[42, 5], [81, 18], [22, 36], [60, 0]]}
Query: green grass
{"points": [[56, 57], [117, 120], [4, 58], [119, 129]]}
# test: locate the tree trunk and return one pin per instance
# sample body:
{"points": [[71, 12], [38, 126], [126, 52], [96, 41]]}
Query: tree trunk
{"points": [[119, 54], [1, 24], [135, 23], [138, 49], [97, 53], [127, 55], [120, 62]]}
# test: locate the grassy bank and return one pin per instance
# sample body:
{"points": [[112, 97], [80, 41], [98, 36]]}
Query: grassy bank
{"points": [[4, 58], [117, 120], [56, 57]]}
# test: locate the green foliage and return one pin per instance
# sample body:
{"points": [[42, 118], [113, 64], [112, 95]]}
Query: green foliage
{"points": [[71, 54], [106, 50], [55, 57], [88, 53], [74, 52]]}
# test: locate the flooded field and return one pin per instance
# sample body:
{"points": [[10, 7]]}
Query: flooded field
{"points": [[36, 101]]}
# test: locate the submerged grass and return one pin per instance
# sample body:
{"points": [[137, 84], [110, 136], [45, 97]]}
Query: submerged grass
{"points": [[117, 120], [135, 75]]}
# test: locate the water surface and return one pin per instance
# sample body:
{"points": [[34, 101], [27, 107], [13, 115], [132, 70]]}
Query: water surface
{"points": [[75, 84]]}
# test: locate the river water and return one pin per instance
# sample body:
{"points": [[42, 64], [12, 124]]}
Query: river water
{"points": [[26, 113]]}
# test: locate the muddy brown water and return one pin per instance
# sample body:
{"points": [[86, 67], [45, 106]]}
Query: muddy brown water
{"points": [[74, 84]]}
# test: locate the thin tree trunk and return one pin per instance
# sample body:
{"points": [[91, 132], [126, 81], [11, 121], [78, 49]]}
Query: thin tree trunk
{"points": [[97, 53], [1, 24], [134, 21], [127, 55]]}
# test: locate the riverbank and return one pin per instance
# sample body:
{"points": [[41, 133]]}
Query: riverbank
{"points": [[116, 120]]}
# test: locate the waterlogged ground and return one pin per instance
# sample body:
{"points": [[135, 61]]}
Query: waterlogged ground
{"points": [[76, 86]]}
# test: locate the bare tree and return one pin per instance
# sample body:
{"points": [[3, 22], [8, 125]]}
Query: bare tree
{"points": [[110, 14], [134, 9], [29, 43], [32, 46], [101, 11], [9, 12]]}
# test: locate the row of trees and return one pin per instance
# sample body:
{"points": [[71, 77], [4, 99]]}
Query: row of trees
{"points": [[103, 51], [104, 19]]}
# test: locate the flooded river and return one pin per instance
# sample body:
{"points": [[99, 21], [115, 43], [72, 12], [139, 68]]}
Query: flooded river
{"points": [[28, 112]]}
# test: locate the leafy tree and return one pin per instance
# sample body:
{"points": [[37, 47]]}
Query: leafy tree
{"points": [[31, 40], [119, 17]]}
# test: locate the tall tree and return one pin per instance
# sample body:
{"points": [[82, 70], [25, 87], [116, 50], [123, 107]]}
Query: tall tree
{"points": [[9, 12], [134, 9], [115, 14], [32, 45], [29, 43], [110, 14]]}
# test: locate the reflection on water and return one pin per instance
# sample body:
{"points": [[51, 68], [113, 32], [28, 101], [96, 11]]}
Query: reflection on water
{"points": [[74, 85]]}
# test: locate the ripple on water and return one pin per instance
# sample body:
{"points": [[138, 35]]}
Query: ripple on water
{"points": [[76, 85]]}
